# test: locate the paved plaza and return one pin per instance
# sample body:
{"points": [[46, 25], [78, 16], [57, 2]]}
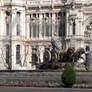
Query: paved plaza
{"points": [[20, 89]]}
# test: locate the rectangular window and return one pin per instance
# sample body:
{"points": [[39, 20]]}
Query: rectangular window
{"points": [[63, 29], [73, 28], [18, 54], [7, 54], [34, 30], [18, 30], [7, 29], [47, 29]]}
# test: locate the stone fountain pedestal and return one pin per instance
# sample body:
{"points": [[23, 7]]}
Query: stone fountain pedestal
{"points": [[21, 68], [80, 67]]}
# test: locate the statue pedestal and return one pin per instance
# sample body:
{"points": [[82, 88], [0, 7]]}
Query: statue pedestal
{"points": [[79, 67], [21, 68]]}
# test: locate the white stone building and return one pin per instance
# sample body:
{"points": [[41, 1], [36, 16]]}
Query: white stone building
{"points": [[28, 26]]}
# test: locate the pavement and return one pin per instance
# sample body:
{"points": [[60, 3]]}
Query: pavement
{"points": [[30, 89]]}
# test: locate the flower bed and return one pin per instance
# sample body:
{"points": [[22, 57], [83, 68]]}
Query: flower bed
{"points": [[26, 85], [35, 85], [83, 86]]}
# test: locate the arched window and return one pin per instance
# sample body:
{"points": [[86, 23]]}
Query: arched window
{"points": [[34, 25], [61, 23], [18, 54], [47, 55], [73, 28], [7, 54], [87, 48], [18, 24], [18, 13]]}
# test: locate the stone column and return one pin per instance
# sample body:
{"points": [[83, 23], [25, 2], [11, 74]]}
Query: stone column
{"points": [[56, 25], [44, 27], [2, 23], [13, 24], [53, 24], [67, 24], [3, 64], [37, 26], [41, 49], [28, 27], [49, 24], [28, 57], [71, 31], [13, 56], [40, 26], [22, 52], [31, 27]]}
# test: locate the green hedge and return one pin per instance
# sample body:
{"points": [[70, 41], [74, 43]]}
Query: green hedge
{"points": [[69, 76]]}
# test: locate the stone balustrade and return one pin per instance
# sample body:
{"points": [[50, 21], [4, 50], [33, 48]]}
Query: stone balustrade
{"points": [[33, 2], [84, 1], [42, 2]]}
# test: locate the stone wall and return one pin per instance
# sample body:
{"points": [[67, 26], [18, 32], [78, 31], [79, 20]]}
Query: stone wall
{"points": [[40, 77]]}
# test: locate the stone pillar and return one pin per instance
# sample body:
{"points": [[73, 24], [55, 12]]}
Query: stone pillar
{"points": [[57, 25], [37, 26], [29, 57], [13, 56], [31, 27], [50, 28], [3, 64], [71, 31], [22, 52], [40, 26], [67, 24], [22, 24], [41, 49], [2, 24], [50, 25], [53, 24], [44, 27], [28, 27], [13, 24]]}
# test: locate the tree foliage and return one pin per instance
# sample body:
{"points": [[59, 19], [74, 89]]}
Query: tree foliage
{"points": [[69, 76]]}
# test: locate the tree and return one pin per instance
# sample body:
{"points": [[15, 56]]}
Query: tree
{"points": [[69, 76]]}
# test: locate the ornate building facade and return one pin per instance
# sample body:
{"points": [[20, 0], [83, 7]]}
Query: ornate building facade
{"points": [[27, 28]]}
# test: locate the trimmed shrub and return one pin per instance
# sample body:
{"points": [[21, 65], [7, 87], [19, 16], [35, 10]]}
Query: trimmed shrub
{"points": [[69, 76]]}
